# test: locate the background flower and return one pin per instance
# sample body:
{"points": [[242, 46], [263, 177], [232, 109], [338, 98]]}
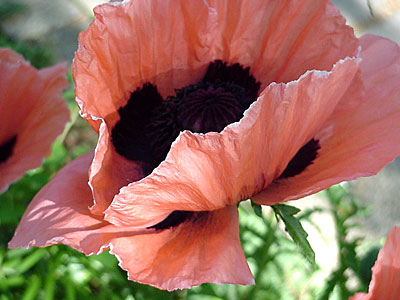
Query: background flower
{"points": [[385, 283], [32, 114]]}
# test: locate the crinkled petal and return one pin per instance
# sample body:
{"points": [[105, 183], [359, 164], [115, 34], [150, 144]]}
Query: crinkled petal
{"points": [[170, 43], [31, 107], [362, 136], [140, 41], [204, 249], [59, 212], [19, 84], [211, 171], [385, 283], [109, 172], [118, 53], [287, 38]]}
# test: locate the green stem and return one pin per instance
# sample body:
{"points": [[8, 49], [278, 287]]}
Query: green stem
{"points": [[179, 295], [68, 127]]}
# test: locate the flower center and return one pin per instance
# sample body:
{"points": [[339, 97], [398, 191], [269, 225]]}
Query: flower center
{"points": [[206, 107], [148, 124], [7, 148]]}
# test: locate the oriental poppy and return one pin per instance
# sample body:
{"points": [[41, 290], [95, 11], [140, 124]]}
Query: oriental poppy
{"points": [[385, 283], [200, 105], [32, 114]]}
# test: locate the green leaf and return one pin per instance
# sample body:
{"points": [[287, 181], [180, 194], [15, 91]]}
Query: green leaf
{"points": [[295, 230], [32, 288], [257, 209], [179, 295], [30, 261], [8, 9], [371, 10]]}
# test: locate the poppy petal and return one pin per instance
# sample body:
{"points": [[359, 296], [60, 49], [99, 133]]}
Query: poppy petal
{"points": [[295, 36], [59, 212], [362, 135], [32, 109], [168, 259], [211, 171], [131, 44], [19, 80], [385, 283], [360, 296], [133, 65], [205, 249], [109, 172], [170, 43]]}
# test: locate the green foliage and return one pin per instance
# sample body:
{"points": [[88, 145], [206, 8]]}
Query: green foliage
{"points": [[371, 11], [31, 50], [39, 57], [58, 272], [9, 9], [295, 230], [366, 264], [344, 209], [257, 209]]}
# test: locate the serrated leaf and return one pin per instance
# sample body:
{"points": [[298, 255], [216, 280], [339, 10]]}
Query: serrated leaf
{"points": [[257, 209], [294, 229]]}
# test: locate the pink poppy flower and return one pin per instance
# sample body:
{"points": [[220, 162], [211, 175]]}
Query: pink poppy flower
{"points": [[32, 114], [200, 105], [385, 283]]}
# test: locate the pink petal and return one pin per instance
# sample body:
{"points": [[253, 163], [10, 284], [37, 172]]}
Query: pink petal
{"points": [[31, 108], [204, 249], [296, 36], [385, 283], [169, 43], [109, 172], [362, 135], [19, 80], [140, 41], [211, 171], [360, 296], [59, 212]]}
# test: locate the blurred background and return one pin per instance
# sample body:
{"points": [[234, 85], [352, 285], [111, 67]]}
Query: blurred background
{"points": [[346, 224]]}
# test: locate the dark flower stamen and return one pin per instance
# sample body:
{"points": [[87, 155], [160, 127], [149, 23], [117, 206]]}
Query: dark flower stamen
{"points": [[6, 149], [206, 107], [129, 135], [219, 71], [149, 125], [303, 158], [174, 219]]}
